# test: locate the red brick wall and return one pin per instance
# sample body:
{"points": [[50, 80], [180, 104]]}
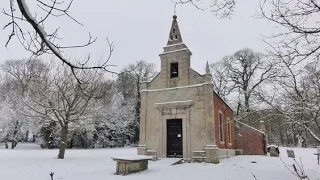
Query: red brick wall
{"points": [[221, 106], [251, 141]]}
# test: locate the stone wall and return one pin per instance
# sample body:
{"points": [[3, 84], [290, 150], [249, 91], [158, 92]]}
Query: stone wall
{"points": [[226, 153]]}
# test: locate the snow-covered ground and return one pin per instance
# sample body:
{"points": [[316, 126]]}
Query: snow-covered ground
{"points": [[30, 162]]}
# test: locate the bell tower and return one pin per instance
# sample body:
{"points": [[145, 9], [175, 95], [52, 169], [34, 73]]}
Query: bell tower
{"points": [[175, 59]]}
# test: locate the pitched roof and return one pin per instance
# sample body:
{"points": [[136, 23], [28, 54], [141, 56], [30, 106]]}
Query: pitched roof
{"points": [[250, 127]]}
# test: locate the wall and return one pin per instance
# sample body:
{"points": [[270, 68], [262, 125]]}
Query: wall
{"points": [[226, 153], [250, 141], [221, 106]]}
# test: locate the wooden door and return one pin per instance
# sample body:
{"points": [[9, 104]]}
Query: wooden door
{"points": [[174, 138]]}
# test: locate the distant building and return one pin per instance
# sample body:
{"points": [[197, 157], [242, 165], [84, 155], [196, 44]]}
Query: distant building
{"points": [[250, 140]]}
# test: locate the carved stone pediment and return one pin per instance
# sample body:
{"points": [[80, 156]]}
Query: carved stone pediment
{"points": [[173, 111], [174, 107], [174, 104]]}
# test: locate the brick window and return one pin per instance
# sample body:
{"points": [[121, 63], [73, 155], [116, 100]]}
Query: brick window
{"points": [[220, 127], [229, 130], [174, 70]]}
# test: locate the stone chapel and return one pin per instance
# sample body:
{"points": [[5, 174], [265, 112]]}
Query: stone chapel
{"points": [[181, 115]]}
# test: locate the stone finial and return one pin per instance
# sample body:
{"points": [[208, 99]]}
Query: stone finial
{"points": [[207, 68], [208, 76], [175, 17]]}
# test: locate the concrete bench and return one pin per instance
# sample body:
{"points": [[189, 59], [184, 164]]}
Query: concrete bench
{"points": [[131, 164]]}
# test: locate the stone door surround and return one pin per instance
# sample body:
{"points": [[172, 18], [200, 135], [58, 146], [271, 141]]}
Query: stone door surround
{"points": [[174, 110]]}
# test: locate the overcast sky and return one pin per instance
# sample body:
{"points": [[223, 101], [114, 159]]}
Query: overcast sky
{"points": [[140, 29]]}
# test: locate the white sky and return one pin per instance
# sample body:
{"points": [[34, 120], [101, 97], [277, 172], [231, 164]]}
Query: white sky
{"points": [[140, 29]]}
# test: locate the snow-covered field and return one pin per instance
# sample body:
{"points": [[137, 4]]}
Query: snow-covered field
{"points": [[30, 162]]}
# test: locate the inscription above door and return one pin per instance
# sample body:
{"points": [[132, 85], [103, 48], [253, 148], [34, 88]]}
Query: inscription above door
{"points": [[173, 111]]}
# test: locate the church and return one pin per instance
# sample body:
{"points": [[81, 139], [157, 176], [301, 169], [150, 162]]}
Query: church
{"points": [[181, 115]]}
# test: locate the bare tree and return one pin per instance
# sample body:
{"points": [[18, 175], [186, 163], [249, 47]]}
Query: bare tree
{"points": [[38, 40], [62, 99], [299, 28], [243, 72], [221, 83], [23, 71], [296, 99]]}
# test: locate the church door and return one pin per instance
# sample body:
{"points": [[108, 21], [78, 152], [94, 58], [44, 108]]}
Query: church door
{"points": [[174, 138]]}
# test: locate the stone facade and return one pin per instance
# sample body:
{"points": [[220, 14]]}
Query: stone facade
{"points": [[179, 92]]}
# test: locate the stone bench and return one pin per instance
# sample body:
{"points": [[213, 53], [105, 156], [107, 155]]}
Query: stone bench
{"points": [[131, 164]]}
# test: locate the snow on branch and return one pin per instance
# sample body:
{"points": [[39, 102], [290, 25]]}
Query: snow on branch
{"points": [[299, 38], [39, 41]]}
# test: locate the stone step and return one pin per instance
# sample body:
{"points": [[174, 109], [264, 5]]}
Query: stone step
{"points": [[198, 159]]}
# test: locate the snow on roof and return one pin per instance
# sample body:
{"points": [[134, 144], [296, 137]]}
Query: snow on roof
{"points": [[152, 78], [184, 49], [251, 127], [172, 102], [214, 92], [174, 44]]}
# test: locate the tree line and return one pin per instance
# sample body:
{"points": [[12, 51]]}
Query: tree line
{"points": [[279, 93], [44, 103]]}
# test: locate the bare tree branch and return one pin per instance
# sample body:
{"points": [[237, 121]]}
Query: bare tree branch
{"points": [[39, 41], [298, 39]]}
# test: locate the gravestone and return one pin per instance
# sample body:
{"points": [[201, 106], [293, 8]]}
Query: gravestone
{"points": [[318, 154], [291, 153], [274, 151]]}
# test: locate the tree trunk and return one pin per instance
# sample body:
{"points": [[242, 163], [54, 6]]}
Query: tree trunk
{"points": [[27, 135], [6, 141], [137, 117], [63, 141], [246, 103], [15, 132], [33, 138], [280, 133]]}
